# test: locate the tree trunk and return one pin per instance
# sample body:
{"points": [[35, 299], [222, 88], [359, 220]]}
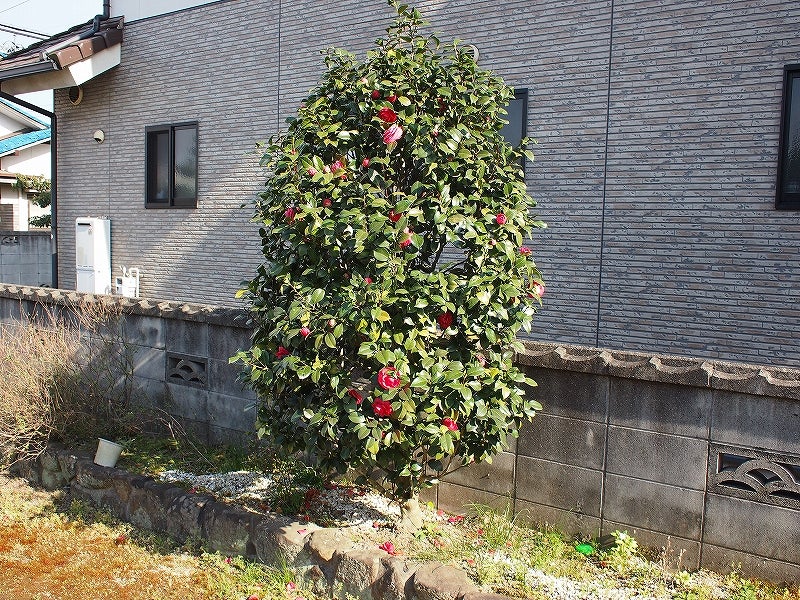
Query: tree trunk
{"points": [[410, 514]]}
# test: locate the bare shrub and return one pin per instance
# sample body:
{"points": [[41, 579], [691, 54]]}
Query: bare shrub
{"points": [[66, 375]]}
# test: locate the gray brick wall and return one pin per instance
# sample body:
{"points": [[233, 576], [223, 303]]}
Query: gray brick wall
{"points": [[657, 130]]}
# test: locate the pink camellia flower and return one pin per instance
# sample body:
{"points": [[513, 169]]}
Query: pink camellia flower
{"points": [[326, 169], [355, 395], [376, 94], [500, 218], [406, 241], [538, 289], [337, 166], [387, 378], [291, 586], [282, 352], [391, 98], [445, 319], [388, 547], [290, 213], [367, 280], [327, 203], [312, 171], [382, 408], [305, 332], [392, 134], [387, 115], [365, 163], [481, 359], [450, 424], [525, 251]]}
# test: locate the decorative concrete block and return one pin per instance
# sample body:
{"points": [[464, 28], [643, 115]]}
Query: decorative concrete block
{"points": [[561, 486], [663, 407], [633, 501], [654, 457], [563, 440]]}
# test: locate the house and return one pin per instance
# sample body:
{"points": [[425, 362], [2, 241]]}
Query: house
{"points": [[24, 150], [666, 164]]}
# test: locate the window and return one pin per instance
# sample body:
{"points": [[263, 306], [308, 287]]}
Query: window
{"points": [[788, 192], [517, 126], [171, 158]]}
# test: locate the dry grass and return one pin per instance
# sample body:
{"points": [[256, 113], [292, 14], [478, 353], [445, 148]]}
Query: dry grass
{"points": [[50, 555]]}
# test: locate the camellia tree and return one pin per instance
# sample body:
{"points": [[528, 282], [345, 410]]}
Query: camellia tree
{"points": [[396, 280]]}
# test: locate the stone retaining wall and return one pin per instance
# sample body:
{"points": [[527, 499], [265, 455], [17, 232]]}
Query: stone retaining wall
{"points": [[699, 457], [326, 560]]}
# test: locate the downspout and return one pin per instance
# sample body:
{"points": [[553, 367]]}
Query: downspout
{"points": [[53, 175]]}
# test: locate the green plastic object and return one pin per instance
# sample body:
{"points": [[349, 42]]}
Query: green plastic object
{"points": [[586, 549]]}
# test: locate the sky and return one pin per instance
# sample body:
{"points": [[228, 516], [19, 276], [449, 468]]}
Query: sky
{"points": [[47, 17]]}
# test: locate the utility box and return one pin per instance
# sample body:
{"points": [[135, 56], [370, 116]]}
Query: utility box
{"points": [[93, 255], [128, 284]]}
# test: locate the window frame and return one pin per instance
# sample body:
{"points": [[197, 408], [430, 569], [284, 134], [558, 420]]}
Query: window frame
{"points": [[786, 201], [171, 201]]}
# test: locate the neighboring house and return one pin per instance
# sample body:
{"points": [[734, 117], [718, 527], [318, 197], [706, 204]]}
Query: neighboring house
{"points": [[661, 126], [25, 150]]}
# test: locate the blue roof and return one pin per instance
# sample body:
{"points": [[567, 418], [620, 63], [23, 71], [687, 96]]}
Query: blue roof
{"points": [[22, 140], [21, 111]]}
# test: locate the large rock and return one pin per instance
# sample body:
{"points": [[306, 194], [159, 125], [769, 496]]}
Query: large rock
{"points": [[396, 581], [228, 529], [279, 541], [435, 581], [356, 571]]}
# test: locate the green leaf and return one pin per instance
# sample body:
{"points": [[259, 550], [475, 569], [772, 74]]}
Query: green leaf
{"points": [[317, 295]]}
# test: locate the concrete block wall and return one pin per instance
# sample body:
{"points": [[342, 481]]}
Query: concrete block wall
{"points": [[657, 127], [699, 457], [26, 257]]}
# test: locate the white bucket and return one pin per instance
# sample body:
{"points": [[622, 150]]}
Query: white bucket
{"points": [[107, 453]]}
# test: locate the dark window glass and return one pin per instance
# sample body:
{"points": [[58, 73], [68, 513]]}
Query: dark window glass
{"points": [[788, 195], [172, 166], [517, 118]]}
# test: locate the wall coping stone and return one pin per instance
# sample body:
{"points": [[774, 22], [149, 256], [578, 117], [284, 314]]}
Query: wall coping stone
{"points": [[760, 380], [325, 559], [148, 307]]}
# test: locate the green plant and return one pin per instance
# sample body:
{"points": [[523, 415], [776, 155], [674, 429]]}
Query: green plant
{"points": [[393, 223], [42, 196]]}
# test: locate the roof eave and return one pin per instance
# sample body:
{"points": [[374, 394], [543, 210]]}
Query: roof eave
{"points": [[25, 147], [54, 78]]}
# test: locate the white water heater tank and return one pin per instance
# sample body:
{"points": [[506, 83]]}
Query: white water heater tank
{"points": [[93, 255]]}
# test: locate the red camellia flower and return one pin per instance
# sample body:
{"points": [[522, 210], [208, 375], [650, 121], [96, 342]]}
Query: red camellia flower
{"points": [[500, 218], [450, 424], [327, 202], [382, 408], [525, 251], [289, 213], [391, 98], [355, 395], [387, 378], [305, 332], [376, 94], [337, 166], [367, 280], [392, 134], [445, 319], [312, 171], [406, 241], [282, 352], [387, 115], [365, 163], [395, 217], [388, 547]]}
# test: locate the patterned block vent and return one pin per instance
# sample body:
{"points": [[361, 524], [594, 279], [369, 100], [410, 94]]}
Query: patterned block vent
{"points": [[187, 370], [9, 240], [755, 475]]}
